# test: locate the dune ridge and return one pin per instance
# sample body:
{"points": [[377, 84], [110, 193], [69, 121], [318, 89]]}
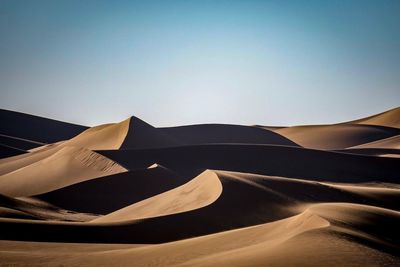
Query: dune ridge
{"points": [[129, 193]]}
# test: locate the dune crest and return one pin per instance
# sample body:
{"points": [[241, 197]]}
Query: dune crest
{"points": [[197, 193], [390, 118], [107, 136]]}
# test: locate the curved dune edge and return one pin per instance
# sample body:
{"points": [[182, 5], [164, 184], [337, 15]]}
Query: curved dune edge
{"points": [[102, 137], [336, 136], [197, 193], [214, 193], [334, 234], [64, 166], [390, 118]]}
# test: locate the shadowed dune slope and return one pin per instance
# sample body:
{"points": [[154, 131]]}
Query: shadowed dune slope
{"points": [[312, 238], [109, 193], [390, 118], [67, 166], [225, 133], [245, 200], [131, 133], [19, 143], [8, 151], [199, 192], [200, 195], [34, 128], [264, 159], [32, 208], [338, 136], [143, 135]]}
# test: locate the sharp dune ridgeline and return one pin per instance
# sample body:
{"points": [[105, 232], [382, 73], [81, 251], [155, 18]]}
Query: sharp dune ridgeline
{"points": [[131, 194]]}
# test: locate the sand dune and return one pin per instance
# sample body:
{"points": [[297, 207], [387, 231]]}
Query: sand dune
{"points": [[199, 192], [333, 137], [315, 236], [225, 133], [264, 159], [32, 208], [391, 143], [245, 200], [108, 136], [128, 193], [390, 118], [67, 166], [34, 128], [127, 187]]}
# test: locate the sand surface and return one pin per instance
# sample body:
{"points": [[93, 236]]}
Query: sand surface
{"points": [[130, 194]]}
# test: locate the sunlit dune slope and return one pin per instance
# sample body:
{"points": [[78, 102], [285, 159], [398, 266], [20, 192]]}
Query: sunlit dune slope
{"points": [[130, 194], [67, 166], [390, 118], [337, 136]]}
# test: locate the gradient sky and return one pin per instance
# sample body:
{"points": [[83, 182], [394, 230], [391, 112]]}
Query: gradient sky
{"points": [[186, 62]]}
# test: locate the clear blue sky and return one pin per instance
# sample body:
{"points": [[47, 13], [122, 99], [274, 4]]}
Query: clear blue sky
{"points": [[186, 62]]}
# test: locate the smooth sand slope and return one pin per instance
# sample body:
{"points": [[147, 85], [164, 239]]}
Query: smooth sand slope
{"points": [[67, 166], [245, 200], [390, 142], [345, 135], [199, 192], [130, 194], [329, 234], [390, 118], [339, 136]]}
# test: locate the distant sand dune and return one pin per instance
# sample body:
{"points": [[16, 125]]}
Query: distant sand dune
{"points": [[390, 118], [225, 133], [339, 136]]}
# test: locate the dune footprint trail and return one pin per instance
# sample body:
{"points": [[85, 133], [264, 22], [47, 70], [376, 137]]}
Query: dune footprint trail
{"points": [[129, 193]]}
